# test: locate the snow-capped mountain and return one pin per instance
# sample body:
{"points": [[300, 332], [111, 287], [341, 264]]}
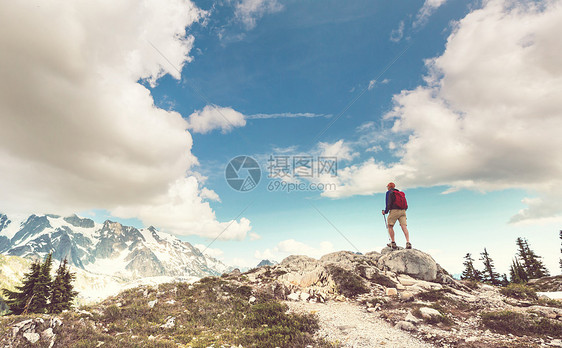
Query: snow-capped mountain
{"points": [[107, 249]]}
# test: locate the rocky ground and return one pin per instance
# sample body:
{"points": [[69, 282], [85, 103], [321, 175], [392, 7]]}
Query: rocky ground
{"points": [[390, 299], [412, 293]]}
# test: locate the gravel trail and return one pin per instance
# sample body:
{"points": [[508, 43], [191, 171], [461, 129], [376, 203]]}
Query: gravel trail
{"points": [[353, 326]]}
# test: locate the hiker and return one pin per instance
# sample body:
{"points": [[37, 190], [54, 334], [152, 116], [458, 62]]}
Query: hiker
{"points": [[396, 209]]}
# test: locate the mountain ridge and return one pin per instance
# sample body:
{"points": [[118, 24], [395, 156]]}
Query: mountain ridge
{"points": [[110, 248]]}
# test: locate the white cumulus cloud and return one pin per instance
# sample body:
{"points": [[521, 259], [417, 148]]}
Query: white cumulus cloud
{"points": [[249, 11], [215, 117], [428, 8], [78, 130], [490, 115], [293, 247]]}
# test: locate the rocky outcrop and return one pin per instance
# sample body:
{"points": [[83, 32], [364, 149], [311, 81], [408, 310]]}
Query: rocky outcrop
{"points": [[412, 262], [547, 283], [341, 274]]}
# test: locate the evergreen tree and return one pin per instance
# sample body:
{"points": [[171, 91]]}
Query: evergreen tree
{"points": [[534, 267], [24, 296], [504, 281], [489, 275], [62, 293], [42, 288], [470, 273], [517, 273]]}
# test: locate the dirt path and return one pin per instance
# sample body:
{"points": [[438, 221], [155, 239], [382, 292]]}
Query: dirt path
{"points": [[353, 326]]}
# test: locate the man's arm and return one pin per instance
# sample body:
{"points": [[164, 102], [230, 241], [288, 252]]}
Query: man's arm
{"points": [[389, 201]]}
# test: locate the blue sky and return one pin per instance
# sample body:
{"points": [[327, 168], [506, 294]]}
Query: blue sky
{"points": [[451, 100]]}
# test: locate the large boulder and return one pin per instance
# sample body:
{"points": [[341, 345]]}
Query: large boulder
{"points": [[343, 259], [412, 262], [303, 271]]}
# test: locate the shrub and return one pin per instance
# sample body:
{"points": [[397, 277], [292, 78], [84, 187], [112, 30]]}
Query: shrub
{"points": [[519, 291], [433, 295], [507, 322], [349, 284]]}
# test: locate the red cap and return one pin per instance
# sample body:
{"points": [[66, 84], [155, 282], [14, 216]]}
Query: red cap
{"points": [[391, 185]]}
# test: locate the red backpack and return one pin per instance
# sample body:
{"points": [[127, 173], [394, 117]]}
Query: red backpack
{"points": [[400, 200]]}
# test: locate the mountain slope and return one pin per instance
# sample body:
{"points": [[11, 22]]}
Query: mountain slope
{"points": [[109, 248]]}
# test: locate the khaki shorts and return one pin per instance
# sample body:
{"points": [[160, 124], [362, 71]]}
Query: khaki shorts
{"points": [[397, 214]]}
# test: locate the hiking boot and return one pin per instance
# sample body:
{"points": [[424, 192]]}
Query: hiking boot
{"points": [[408, 245], [392, 245]]}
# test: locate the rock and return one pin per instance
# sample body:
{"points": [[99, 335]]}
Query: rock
{"points": [[406, 296], [304, 296], [556, 342], [293, 296], [411, 318], [387, 250], [547, 283], [400, 287], [373, 255], [343, 259], [32, 337], [55, 322], [252, 299], [47, 333], [171, 302], [429, 313], [391, 292], [406, 280], [170, 323], [405, 325], [151, 304], [410, 261], [548, 312]]}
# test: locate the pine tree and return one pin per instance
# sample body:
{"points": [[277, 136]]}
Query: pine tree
{"points": [[489, 275], [534, 267], [23, 296], [62, 293], [517, 273], [42, 288], [470, 273], [504, 281]]}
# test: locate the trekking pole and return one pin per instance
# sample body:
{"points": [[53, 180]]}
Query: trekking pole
{"points": [[386, 225]]}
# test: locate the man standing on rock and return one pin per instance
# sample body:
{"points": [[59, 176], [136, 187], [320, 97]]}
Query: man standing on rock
{"points": [[396, 206]]}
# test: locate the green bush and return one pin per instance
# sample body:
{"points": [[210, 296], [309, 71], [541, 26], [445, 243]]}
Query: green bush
{"points": [[519, 291], [349, 284], [433, 295], [507, 322]]}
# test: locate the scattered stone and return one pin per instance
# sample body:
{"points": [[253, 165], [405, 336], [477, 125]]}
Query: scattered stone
{"points": [[429, 313], [411, 318], [32, 337], [48, 333], [252, 299], [171, 302], [152, 303], [170, 323], [405, 325], [406, 296], [293, 296], [391, 292]]}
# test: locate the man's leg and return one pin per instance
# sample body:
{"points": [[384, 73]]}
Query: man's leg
{"points": [[406, 233], [391, 232]]}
